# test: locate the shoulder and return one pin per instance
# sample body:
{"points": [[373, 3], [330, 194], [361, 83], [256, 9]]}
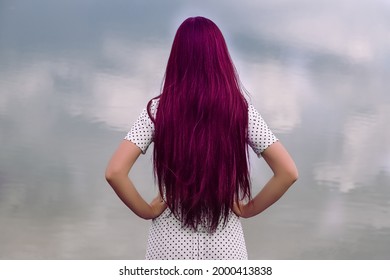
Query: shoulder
{"points": [[253, 114], [152, 106]]}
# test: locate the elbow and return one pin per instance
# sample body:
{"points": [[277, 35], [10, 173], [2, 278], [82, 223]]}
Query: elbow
{"points": [[111, 175], [288, 177], [294, 179], [293, 176]]}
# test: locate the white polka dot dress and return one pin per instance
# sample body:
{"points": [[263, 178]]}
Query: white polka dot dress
{"points": [[167, 239]]}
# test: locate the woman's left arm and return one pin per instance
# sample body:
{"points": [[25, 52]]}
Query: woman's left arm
{"points": [[117, 175]]}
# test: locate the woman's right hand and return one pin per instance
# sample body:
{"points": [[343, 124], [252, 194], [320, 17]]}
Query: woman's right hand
{"points": [[285, 174], [158, 206]]}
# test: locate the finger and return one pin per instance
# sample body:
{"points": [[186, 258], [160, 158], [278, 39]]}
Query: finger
{"points": [[236, 209], [159, 197]]}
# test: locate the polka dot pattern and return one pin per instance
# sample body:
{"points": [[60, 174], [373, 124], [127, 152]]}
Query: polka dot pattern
{"points": [[167, 238], [260, 137], [142, 131]]}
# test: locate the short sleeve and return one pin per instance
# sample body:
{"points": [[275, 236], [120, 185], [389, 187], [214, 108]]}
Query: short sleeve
{"points": [[260, 136], [142, 131]]}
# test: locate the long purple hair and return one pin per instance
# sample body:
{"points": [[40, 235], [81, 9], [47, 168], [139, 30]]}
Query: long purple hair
{"points": [[200, 145]]}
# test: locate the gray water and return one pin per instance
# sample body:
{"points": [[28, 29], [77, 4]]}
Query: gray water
{"points": [[74, 75]]}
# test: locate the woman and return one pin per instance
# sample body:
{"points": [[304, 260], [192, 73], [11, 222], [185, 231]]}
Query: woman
{"points": [[201, 126]]}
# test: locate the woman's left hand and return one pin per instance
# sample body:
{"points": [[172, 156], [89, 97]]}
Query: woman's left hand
{"points": [[158, 206]]}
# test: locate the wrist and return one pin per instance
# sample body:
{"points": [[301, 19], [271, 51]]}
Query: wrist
{"points": [[247, 210]]}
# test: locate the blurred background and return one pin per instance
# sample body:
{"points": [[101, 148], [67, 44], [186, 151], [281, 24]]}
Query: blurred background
{"points": [[74, 75]]}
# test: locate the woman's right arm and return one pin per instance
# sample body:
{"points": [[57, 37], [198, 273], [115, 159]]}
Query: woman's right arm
{"points": [[285, 174]]}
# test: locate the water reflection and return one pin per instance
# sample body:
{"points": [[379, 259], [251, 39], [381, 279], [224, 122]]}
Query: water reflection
{"points": [[364, 151], [280, 89], [73, 77]]}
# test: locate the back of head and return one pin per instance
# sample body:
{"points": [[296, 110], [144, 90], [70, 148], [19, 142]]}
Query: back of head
{"points": [[200, 144]]}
